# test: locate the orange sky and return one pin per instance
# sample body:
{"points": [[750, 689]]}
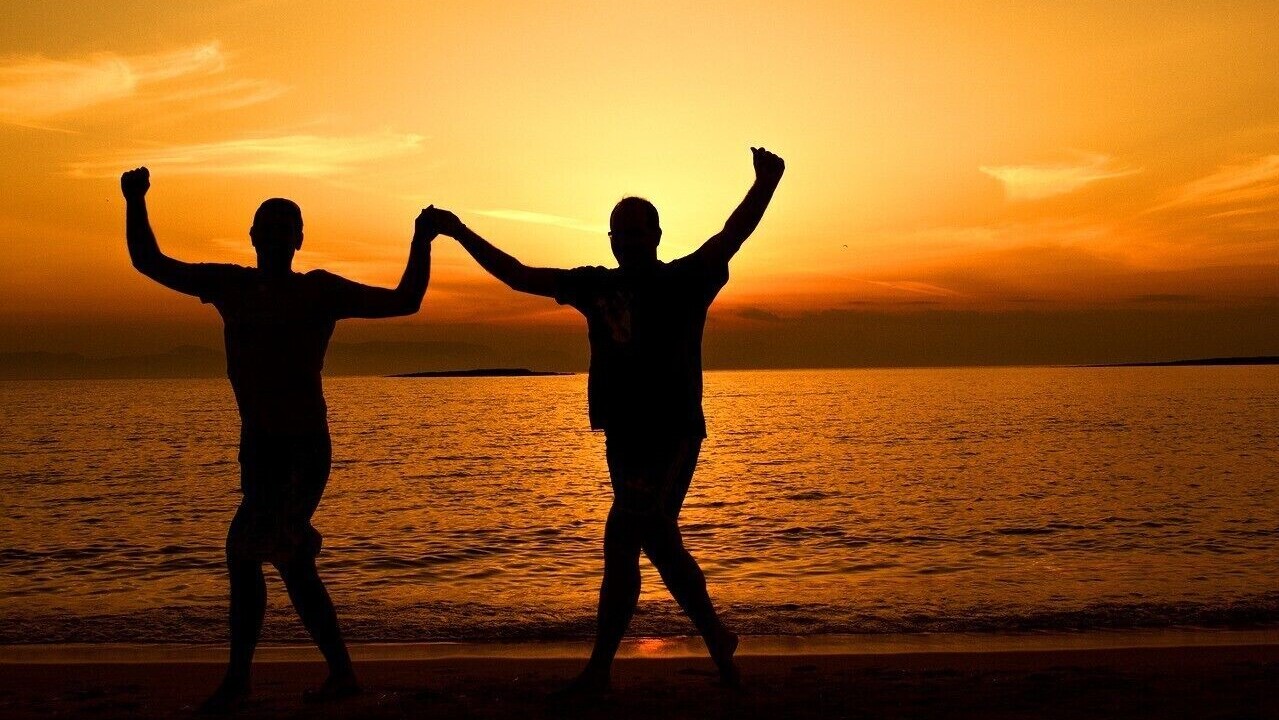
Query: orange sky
{"points": [[961, 157]]}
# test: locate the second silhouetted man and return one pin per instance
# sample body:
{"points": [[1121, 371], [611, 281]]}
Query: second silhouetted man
{"points": [[645, 320]]}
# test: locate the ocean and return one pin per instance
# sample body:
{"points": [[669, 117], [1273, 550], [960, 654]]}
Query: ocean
{"points": [[826, 503]]}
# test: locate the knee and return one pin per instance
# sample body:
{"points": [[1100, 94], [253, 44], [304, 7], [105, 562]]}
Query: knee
{"points": [[299, 567], [238, 551], [619, 558], [622, 579], [664, 546], [665, 558], [245, 573], [621, 535], [621, 562]]}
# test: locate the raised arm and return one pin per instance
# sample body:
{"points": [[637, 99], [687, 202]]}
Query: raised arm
{"points": [[365, 301], [144, 251], [516, 275], [721, 247]]}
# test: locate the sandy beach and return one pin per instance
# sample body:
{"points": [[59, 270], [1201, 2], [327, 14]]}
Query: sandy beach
{"points": [[1202, 681]]}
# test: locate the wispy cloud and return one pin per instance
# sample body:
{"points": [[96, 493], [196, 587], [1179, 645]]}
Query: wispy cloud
{"points": [[538, 218], [38, 87], [313, 155], [227, 95], [1247, 182], [916, 287], [1035, 182], [34, 90]]}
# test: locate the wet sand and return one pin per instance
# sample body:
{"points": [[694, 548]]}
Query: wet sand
{"points": [[1160, 682]]}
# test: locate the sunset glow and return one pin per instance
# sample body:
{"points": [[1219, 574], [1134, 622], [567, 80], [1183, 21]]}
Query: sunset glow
{"points": [[990, 158]]}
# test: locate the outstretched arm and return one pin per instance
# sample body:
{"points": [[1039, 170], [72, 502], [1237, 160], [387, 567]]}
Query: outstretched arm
{"points": [[144, 251], [364, 301], [516, 275], [724, 245]]}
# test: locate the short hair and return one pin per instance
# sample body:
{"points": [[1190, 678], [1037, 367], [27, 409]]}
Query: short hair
{"points": [[634, 214], [284, 207]]}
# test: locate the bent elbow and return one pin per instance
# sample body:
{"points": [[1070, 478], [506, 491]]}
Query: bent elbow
{"points": [[145, 265], [409, 305]]}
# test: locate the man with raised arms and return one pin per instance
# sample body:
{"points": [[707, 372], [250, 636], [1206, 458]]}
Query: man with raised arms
{"points": [[277, 327], [644, 320]]}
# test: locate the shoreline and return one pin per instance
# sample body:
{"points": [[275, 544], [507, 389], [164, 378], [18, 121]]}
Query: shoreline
{"points": [[677, 647]]}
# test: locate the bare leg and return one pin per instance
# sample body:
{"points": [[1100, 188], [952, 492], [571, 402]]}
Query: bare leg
{"points": [[315, 608], [248, 607], [619, 594], [684, 578]]}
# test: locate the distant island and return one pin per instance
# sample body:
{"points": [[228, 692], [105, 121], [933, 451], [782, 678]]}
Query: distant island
{"points": [[482, 372], [1259, 360]]}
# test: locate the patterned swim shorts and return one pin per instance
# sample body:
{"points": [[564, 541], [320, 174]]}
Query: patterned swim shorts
{"points": [[282, 478], [651, 473]]}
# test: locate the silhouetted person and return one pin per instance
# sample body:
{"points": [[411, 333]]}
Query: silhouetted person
{"points": [[645, 321], [277, 327]]}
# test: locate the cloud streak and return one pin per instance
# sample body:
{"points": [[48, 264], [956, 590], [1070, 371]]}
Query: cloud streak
{"points": [[916, 287], [538, 218], [1036, 182], [37, 87], [228, 95], [1256, 180], [311, 155], [35, 90]]}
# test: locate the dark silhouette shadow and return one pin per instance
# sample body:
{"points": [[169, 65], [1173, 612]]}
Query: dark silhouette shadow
{"points": [[645, 320], [277, 328]]}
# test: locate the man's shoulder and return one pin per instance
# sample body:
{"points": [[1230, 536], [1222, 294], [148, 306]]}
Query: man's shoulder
{"points": [[588, 275], [323, 278], [695, 262], [592, 270], [696, 267], [215, 280], [577, 286]]}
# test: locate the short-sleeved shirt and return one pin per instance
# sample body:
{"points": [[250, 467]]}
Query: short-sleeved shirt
{"points": [[645, 328], [276, 331]]}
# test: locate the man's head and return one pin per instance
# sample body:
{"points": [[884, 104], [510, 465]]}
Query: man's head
{"points": [[634, 231], [276, 233]]}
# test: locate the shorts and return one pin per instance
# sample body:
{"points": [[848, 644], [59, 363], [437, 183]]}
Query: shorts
{"points": [[651, 474], [282, 478]]}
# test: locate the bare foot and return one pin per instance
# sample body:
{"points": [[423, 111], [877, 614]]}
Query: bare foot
{"points": [[725, 647]]}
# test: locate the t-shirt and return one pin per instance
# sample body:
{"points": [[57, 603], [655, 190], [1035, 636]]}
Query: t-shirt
{"points": [[645, 328], [276, 332]]}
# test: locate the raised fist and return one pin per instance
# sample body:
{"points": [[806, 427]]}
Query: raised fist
{"points": [[135, 183], [767, 165]]}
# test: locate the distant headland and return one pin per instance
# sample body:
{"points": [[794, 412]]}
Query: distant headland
{"points": [[481, 372], [1258, 360]]}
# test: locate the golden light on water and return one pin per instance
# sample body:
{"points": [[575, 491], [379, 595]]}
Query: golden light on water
{"points": [[472, 509]]}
